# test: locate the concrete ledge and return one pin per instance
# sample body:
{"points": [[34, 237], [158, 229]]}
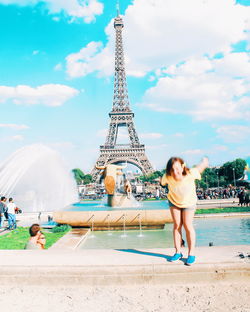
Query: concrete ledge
{"points": [[122, 267], [123, 275], [71, 240]]}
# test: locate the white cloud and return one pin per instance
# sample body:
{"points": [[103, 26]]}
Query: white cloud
{"points": [[56, 18], [178, 135], [122, 133], [234, 133], [87, 60], [58, 67], [159, 33], [64, 145], [14, 126], [220, 148], [35, 52], [102, 133], [151, 78], [204, 89], [230, 64], [16, 138], [233, 64], [86, 9], [157, 147], [49, 94], [150, 136], [193, 152], [194, 66]]}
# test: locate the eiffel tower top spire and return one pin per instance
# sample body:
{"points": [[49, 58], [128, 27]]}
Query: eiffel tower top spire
{"points": [[120, 99], [118, 8]]}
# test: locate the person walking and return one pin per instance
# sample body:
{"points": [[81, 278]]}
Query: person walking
{"points": [[241, 198], [247, 199], [3, 210], [11, 206], [182, 202]]}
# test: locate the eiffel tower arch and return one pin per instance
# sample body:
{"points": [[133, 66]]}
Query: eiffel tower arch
{"points": [[121, 116]]}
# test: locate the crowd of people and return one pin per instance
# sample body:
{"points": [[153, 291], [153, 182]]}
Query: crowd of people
{"points": [[221, 193], [225, 193], [8, 211]]}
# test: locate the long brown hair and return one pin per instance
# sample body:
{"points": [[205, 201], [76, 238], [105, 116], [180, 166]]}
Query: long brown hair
{"points": [[34, 229], [170, 163]]}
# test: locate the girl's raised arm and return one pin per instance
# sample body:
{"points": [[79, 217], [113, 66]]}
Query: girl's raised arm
{"points": [[203, 164], [163, 180]]}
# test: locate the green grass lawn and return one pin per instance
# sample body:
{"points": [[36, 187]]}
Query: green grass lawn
{"points": [[18, 238], [222, 210]]}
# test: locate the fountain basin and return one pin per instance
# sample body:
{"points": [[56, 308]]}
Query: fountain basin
{"points": [[114, 219]]}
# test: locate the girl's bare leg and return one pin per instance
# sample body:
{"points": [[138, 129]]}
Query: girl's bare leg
{"points": [[177, 219], [187, 219]]}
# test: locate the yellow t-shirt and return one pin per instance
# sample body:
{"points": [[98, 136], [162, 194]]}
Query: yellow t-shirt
{"points": [[182, 193]]}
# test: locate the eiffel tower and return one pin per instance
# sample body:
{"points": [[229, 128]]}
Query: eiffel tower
{"points": [[121, 116]]}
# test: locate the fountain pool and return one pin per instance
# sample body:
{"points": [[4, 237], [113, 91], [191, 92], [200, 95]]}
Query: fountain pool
{"points": [[102, 206], [220, 231]]}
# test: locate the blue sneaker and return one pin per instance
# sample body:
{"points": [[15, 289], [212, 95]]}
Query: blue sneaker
{"points": [[175, 257], [190, 260]]}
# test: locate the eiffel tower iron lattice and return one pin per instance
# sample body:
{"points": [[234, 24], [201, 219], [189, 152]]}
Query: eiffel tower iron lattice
{"points": [[121, 116]]}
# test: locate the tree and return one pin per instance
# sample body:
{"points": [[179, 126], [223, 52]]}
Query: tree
{"points": [[209, 178], [232, 170], [224, 175], [87, 179], [152, 177], [201, 184], [79, 175]]}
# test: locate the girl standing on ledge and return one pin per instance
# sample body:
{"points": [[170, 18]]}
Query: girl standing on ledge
{"points": [[182, 202]]}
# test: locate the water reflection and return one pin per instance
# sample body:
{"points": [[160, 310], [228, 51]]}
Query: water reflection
{"points": [[245, 224]]}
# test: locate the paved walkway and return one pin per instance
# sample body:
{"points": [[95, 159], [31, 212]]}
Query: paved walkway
{"points": [[217, 203]]}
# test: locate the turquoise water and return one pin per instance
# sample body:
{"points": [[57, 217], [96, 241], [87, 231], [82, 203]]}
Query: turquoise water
{"points": [[102, 206], [219, 231]]}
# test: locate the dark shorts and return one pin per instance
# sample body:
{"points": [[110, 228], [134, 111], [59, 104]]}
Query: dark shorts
{"points": [[186, 208]]}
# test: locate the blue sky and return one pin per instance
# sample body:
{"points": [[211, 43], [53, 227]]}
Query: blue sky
{"points": [[188, 72]]}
